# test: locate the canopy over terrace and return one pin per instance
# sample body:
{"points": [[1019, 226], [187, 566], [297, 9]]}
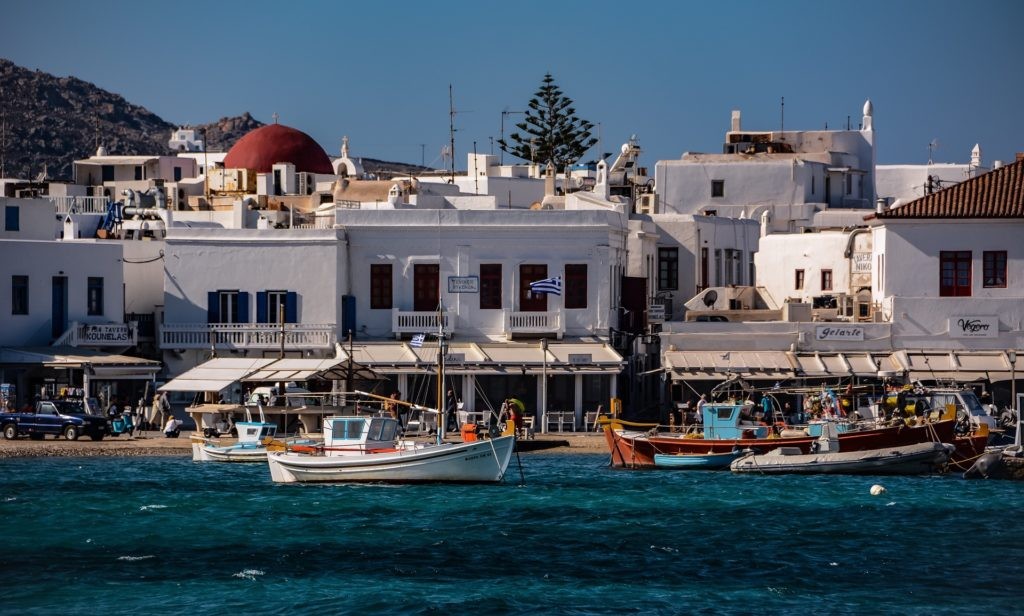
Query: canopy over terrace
{"points": [[468, 357], [220, 372]]}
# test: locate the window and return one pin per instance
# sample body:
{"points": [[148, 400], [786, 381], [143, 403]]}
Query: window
{"points": [[994, 268], [668, 269], [813, 183], [380, 286], [955, 273], [798, 280], [576, 285], [490, 286], [426, 281], [227, 307], [107, 173], [717, 188], [12, 218], [826, 280], [849, 183], [138, 172], [19, 294], [529, 301], [269, 306], [177, 174], [94, 297], [718, 267]]}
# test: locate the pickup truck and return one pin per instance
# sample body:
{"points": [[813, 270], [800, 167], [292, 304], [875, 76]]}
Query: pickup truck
{"points": [[56, 417]]}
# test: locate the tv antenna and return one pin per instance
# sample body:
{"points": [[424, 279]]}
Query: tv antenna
{"points": [[451, 128], [932, 146]]}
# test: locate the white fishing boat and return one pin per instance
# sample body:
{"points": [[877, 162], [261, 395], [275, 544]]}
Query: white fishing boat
{"points": [[370, 449], [253, 439], [825, 458]]}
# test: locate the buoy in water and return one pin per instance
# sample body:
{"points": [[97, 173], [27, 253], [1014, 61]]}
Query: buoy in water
{"points": [[877, 489]]}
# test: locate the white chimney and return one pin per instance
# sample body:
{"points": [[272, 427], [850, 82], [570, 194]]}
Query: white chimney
{"points": [[735, 121]]}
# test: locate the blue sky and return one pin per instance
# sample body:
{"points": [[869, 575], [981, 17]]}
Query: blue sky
{"points": [[668, 72]]}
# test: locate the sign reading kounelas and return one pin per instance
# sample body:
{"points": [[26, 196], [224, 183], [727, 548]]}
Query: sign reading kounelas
{"points": [[974, 327], [113, 334], [838, 332]]}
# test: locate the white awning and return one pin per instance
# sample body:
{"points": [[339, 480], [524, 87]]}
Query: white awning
{"points": [[717, 365], [216, 374], [953, 365], [304, 369], [468, 357], [97, 363]]}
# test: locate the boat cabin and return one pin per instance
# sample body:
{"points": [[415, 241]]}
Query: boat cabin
{"points": [[732, 421], [358, 435], [253, 432]]}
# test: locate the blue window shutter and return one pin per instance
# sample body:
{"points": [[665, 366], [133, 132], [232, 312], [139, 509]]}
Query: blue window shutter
{"points": [[243, 307], [213, 307], [291, 307], [261, 306]]}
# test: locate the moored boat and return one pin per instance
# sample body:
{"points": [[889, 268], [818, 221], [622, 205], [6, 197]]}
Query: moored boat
{"points": [[254, 437], [710, 461], [370, 449]]}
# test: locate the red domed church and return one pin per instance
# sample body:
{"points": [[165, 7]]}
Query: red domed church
{"points": [[261, 148]]}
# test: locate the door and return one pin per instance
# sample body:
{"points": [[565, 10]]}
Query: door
{"points": [[60, 306], [528, 300], [426, 281]]}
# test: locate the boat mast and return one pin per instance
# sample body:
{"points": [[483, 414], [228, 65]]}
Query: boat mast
{"points": [[442, 349]]}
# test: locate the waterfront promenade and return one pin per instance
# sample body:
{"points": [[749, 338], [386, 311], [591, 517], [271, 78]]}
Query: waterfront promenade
{"points": [[154, 444]]}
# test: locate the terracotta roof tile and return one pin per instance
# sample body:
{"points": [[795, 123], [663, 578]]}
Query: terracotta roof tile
{"points": [[996, 194]]}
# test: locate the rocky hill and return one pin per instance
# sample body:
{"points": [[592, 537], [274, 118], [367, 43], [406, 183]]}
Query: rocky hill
{"points": [[47, 122]]}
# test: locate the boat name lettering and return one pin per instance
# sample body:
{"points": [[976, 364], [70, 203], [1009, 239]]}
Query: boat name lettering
{"points": [[839, 333]]}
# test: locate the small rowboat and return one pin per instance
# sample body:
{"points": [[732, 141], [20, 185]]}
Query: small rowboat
{"points": [[710, 461]]}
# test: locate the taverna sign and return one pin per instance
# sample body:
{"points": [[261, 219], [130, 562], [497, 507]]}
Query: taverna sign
{"points": [[973, 327], [838, 332]]}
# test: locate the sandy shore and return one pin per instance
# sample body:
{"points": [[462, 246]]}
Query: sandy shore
{"points": [[153, 444]]}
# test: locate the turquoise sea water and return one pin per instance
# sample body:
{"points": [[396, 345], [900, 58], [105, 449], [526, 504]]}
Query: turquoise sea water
{"points": [[169, 536]]}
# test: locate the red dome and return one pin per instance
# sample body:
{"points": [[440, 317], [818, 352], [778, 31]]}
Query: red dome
{"points": [[276, 143]]}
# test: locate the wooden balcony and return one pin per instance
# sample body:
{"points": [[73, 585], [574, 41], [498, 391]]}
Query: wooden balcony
{"points": [[297, 336]]}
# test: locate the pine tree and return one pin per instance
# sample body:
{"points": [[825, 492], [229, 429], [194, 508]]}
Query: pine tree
{"points": [[551, 132]]}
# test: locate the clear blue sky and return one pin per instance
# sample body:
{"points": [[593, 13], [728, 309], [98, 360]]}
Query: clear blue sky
{"points": [[668, 72]]}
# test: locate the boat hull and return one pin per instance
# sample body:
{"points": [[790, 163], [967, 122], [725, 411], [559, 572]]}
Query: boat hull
{"points": [[211, 453], [687, 461], [917, 459], [635, 449], [474, 462]]}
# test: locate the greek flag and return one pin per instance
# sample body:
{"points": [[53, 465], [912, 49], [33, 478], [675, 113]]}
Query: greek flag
{"points": [[548, 285], [417, 340]]}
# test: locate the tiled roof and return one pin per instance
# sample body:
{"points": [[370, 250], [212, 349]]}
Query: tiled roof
{"points": [[996, 194]]}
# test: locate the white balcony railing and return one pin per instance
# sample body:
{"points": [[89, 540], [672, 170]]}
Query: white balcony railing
{"points": [[404, 322], [81, 205], [297, 336], [533, 323]]}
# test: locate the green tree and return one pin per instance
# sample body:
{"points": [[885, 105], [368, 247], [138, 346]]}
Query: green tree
{"points": [[550, 132]]}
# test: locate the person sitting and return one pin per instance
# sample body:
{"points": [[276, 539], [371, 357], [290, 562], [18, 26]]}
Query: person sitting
{"points": [[173, 427]]}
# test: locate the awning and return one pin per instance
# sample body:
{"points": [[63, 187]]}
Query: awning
{"points": [[468, 357], [953, 365], [296, 369], [717, 365], [215, 374], [96, 363]]}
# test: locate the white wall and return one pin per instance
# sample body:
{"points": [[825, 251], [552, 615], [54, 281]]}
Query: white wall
{"points": [[37, 219], [41, 261], [780, 255], [305, 261]]}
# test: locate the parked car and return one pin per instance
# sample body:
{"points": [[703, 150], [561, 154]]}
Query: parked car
{"points": [[56, 417]]}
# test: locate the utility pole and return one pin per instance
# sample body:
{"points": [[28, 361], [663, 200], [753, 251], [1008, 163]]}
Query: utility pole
{"points": [[451, 127]]}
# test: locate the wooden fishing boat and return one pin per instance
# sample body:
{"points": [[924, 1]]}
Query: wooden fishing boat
{"points": [[727, 426], [253, 439], [709, 461]]}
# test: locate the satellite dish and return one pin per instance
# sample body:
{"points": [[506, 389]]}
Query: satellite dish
{"points": [[710, 298]]}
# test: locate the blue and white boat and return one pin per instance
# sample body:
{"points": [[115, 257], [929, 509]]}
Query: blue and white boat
{"points": [[710, 461], [253, 439]]}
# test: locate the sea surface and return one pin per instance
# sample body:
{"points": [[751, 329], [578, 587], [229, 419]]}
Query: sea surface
{"points": [[567, 536]]}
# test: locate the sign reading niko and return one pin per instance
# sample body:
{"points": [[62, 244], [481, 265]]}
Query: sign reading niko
{"points": [[463, 284], [973, 327], [838, 332], [113, 334]]}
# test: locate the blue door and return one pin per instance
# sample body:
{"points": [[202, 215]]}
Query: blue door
{"points": [[60, 305]]}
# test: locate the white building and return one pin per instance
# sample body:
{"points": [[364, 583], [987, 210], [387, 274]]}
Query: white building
{"points": [[898, 184]]}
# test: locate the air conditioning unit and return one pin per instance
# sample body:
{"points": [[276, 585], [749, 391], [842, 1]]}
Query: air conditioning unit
{"points": [[647, 204]]}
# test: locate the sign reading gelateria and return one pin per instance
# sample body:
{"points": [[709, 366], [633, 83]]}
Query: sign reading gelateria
{"points": [[117, 334], [838, 332], [974, 327]]}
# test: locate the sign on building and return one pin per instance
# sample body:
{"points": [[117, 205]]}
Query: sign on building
{"points": [[656, 313], [838, 332], [463, 284], [974, 327], [862, 262], [116, 334]]}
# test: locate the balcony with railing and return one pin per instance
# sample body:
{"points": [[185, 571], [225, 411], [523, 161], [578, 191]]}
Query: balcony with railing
{"points": [[543, 323], [297, 336], [412, 322], [80, 205]]}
